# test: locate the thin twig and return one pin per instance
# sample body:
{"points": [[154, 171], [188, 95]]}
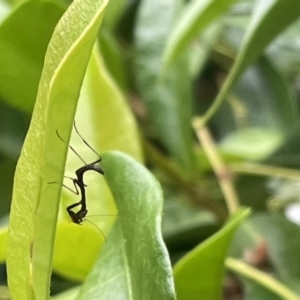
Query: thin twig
{"points": [[264, 170], [222, 172]]}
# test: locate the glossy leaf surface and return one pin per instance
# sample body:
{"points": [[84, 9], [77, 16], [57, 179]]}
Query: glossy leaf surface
{"points": [[35, 202], [199, 274]]}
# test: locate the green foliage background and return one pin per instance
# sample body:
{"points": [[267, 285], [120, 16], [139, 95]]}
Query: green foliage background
{"points": [[193, 106]]}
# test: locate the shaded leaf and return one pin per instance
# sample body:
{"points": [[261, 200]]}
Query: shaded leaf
{"points": [[253, 143], [261, 100], [6, 185], [194, 18], [287, 155], [114, 11], [254, 291], [268, 20], [112, 55], [184, 227], [24, 37], [168, 99], [67, 295], [282, 238]]}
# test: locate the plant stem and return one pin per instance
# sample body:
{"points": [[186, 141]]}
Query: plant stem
{"points": [[261, 278], [264, 170], [198, 196], [222, 172]]}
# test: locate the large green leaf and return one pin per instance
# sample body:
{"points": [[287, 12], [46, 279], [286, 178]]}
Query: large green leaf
{"points": [[24, 37], [199, 274], [35, 202], [168, 99], [110, 126], [194, 18], [268, 20], [134, 263]]}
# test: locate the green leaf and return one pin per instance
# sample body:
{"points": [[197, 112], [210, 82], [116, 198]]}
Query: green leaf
{"points": [[252, 143], [35, 202], [268, 20], [112, 56], [260, 101], [24, 37], [246, 237], [168, 99], [194, 18], [199, 274], [114, 11], [284, 49], [3, 243], [134, 263], [111, 126], [103, 104], [279, 96], [86, 239]]}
